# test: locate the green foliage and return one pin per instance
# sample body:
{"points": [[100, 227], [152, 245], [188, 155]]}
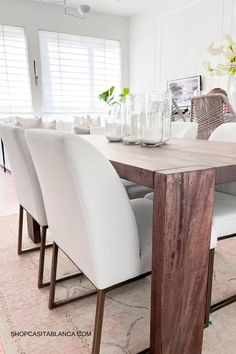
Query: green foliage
{"points": [[109, 97], [124, 94]]}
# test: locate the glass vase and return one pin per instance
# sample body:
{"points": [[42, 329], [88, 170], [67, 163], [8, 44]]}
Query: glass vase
{"points": [[155, 120], [232, 92], [130, 118], [114, 127], [167, 115]]}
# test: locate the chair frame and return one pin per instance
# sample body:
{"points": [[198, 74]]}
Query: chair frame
{"points": [[52, 303], [100, 303], [3, 157], [219, 305], [20, 250], [41, 248]]}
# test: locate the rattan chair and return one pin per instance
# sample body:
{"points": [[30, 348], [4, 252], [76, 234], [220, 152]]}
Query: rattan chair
{"points": [[209, 112]]}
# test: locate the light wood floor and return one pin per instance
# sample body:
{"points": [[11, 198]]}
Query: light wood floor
{"points": [[8, 198]]}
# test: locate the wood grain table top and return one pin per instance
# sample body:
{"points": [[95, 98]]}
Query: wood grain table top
{"points": [[177, 155]]}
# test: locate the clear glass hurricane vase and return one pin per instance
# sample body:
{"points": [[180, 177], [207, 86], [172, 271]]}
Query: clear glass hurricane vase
{"points": [[232, 92], [155, 121], [114, 127], [130, 118]]}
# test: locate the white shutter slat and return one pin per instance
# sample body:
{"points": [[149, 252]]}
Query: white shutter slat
{"points": [[76, 69], [15, 92]]}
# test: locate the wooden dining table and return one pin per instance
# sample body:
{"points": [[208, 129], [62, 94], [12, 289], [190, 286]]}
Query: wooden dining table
{"points": [[183, 174]]}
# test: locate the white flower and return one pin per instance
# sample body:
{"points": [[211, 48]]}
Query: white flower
{"points": [[228, 39], [215, 50], [222, 69], [207, 65], [228, 54]]}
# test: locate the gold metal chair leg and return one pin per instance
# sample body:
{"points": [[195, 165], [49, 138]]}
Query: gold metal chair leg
{"points": [[219, 305], [42, 257], [20, 236], [209, 287], [41, 283], [52, 303], [20, 230], [98, 321], [53, 275]]}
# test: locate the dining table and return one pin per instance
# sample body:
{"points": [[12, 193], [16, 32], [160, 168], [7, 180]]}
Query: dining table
{"points": [[183, 175]]}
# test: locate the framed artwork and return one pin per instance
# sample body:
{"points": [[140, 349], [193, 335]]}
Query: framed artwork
{"points": [[184, 89]]}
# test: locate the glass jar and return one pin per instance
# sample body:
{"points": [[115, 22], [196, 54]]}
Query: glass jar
{"points": [[167, 115], [114, 127], [130, 118], [155, 120]]}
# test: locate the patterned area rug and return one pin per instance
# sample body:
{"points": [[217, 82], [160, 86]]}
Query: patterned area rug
{"points": [[23, 307]]}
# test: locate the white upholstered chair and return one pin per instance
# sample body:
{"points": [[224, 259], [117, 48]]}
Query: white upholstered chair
{"points": [[224, 216], [90, 215], [135, 190], [28, 192], [225, 133], [27, 187], [184, 130]]}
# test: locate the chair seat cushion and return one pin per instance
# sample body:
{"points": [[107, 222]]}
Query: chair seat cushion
{"points": [[224, 216], [143, 210], [149, 196], [135, 190]]}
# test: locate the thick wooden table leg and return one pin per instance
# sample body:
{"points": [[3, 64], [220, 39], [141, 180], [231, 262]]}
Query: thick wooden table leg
{"points": [[33, 229], [183, 204]]}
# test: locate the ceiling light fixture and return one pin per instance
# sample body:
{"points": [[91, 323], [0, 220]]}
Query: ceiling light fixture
{"points": [[71, 8], [76, 10]]}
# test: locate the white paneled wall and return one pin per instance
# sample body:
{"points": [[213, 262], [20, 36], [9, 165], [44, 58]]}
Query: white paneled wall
{"points": [[34, 16], [171, 43]]}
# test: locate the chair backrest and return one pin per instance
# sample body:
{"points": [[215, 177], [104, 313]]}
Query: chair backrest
{"points": [[227, 133], [26, 180], [184, 130], [208, 112], [88, 210]]}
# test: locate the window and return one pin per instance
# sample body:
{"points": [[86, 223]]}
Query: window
{"points": [[15, 93], [76, 69]]}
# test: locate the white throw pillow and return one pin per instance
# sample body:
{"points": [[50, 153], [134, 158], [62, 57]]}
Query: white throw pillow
{"points": [[29, 123], [81, 130], [93, 121], [81, 121], [7, 120], [65, 126], [50, 125]]}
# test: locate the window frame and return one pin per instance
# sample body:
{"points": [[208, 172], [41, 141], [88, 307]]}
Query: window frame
{"points": [[31, 110], [70, 112]]}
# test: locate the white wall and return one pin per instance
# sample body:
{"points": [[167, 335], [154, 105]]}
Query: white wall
{"points": [[34, 16], [170, 43]]}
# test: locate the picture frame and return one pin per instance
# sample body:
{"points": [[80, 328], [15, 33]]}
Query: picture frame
{"points": [[184, 89]]}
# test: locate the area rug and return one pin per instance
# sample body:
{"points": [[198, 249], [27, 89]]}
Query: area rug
{"points": [[27, 326]]}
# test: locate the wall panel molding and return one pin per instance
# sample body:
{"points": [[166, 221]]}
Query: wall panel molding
{"points": [[181, 41]]}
